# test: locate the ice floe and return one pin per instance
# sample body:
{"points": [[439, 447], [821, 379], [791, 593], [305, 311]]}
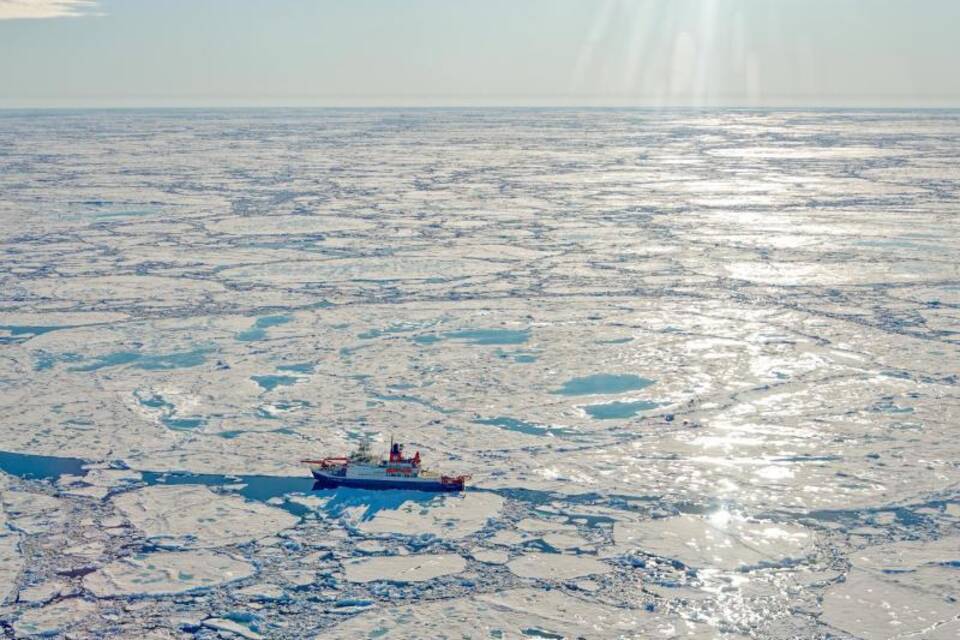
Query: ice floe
{"points": [[11, 562], [166, 572], [872, 608], [490, 556], [556, 566], [450, 517], [411, 568], [194, 516], [517, 613], [53, 619], [898, 590], [722, 541]]}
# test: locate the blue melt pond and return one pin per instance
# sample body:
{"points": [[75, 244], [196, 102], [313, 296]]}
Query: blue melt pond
{"points": [[155, 402], [46, 360], [522, 426], [259, 329], [603, 383], [21, 333], [518, 356], [182, 424], [478, 336], [491, 336], [396, 328], [618, 410], [306, 367], [39, 467], [19, 330], [148, 362], [534, 632], [271, 382]]}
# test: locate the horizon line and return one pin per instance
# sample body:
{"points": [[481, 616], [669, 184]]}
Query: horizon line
{"points": [[492, 106]]}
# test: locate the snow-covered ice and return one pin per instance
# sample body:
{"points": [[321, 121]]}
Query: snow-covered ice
{"points": [[518, 613], [720, 541], [445, 516], [190, 516], [52, 620], [555, 566], [412, 568], [166, 572]]}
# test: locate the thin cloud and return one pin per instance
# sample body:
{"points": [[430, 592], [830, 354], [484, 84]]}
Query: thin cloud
{"points": [[18, 9]]}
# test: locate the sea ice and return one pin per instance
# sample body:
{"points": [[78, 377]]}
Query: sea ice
{"points": [[53, 619], [556, 566], [31, 513], [194, 516], [44, 592], [870, 607], [450, 517], [232, 628], [722, 541], [517, 613], [759, 310], [11, 562], [411, 568], [908, 555], [166, 572], [490, 556]]}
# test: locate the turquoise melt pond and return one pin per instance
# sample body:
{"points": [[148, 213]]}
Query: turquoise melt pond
{"points": [[604, 384], [618, 410]]}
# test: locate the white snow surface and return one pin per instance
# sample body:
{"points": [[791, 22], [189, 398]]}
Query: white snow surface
{"points": [[191, 516], [166, 572], [410, 568]]}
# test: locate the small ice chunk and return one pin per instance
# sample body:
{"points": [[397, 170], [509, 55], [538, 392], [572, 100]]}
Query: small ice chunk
{"points": [[370, 547], [507, 538], [264, 591], [566, 541], [222, 624], [300, 577], [97, 493], [92, 549], [490, 557]]}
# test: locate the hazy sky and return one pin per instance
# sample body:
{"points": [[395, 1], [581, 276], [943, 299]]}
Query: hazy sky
{"points": [[480, 52]]}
